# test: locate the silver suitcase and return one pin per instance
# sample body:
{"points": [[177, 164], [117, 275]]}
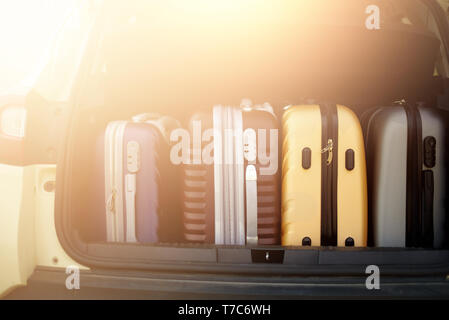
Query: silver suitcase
{"points": [[407, 175]]}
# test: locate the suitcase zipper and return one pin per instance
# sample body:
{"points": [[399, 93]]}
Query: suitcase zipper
{"points": [[329, 175], [113, 155]]}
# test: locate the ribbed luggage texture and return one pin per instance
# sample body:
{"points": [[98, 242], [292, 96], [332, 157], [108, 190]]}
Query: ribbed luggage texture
{"points": [[198, 193], [268, 210], [198, 222], [214, 204]]}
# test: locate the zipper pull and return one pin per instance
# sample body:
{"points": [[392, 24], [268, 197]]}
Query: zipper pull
{"points": [[328, 148], [110, 202], [401, 102]]}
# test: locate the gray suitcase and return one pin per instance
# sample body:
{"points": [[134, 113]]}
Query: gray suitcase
{"points": [[407, 175]]}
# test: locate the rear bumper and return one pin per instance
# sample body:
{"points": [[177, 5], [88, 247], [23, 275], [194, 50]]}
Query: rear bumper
{"points": [[49, 283]]}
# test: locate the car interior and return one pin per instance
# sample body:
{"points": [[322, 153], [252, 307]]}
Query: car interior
{"points": [[169, 59]]}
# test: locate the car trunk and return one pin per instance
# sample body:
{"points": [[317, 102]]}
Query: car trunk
{"points": [[178, 68]]}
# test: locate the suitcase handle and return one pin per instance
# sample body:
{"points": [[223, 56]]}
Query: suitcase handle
{"points": [[164, 124], [130, 200]]}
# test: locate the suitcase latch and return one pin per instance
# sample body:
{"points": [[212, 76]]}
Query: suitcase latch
{"points": [[328, 149]]}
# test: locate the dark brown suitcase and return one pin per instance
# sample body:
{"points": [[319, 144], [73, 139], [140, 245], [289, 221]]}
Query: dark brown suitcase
{"points": [[219, 198]]}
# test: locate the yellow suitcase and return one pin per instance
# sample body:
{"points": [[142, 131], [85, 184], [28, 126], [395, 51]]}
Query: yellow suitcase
{"points": [[324, 190]]}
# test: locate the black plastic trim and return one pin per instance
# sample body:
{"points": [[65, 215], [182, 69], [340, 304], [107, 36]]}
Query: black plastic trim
{"points": [[427, 210], [414, 176], [49, 283], [329, 125], [267, 256]]}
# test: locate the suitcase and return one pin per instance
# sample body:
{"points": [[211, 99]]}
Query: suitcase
{"points": [[324, 192], [137, 182], [233, 198], [407, 165]]}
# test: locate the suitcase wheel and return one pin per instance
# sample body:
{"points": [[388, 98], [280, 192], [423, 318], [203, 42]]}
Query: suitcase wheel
{"points": [[306, 241], [349, 242]]}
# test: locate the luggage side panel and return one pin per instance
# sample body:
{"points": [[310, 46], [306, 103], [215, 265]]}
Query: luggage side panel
{"points": [[170, 196], [147, 179], [301, 187], [387, 152], [352, 203], [198, 187]]}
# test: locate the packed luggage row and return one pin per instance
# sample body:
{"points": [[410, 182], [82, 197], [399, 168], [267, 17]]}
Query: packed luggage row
{"points": [[316, 175]]}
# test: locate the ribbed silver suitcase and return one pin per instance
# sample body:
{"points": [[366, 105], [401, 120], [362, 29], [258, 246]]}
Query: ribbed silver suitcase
{"points": [[407, 175]]}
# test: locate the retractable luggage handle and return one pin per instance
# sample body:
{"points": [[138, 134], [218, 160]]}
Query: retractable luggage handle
{"points": [[251, 205], [250, 154], [133, 166], [130, 200]]}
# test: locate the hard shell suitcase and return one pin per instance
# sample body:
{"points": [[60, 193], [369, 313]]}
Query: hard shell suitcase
{"points": [[324, 193], [234, 199], [407, 164], [137, 182]]}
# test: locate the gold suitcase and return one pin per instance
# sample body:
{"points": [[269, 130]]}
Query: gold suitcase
{"points": [[324, 190]]}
